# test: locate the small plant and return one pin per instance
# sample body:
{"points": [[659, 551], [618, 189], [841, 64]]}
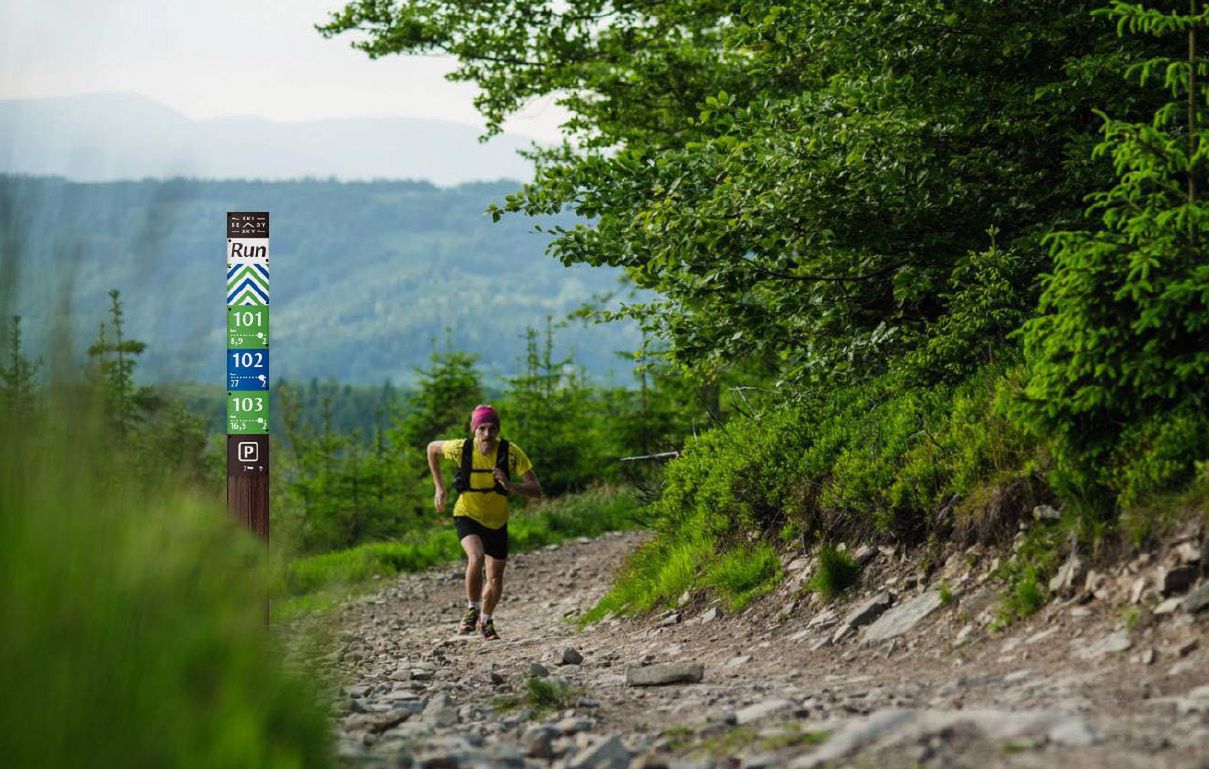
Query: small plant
{"points": [[837, 572], [946, 594], [546, 694], [1024, 596], [793, 736], [505, 702], [678, 736]]}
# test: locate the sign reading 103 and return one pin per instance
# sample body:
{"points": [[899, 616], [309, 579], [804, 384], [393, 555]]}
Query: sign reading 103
{"points": [[247, 412], [247, 327]]}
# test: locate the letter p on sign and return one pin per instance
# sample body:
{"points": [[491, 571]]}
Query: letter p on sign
{"points": [[248, 451]]}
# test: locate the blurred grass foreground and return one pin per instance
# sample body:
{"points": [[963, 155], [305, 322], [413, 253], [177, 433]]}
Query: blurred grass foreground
{"points": [[132, 626]]}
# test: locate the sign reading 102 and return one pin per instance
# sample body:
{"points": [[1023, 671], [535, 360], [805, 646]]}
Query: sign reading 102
{"points": [[247, 369], [247, 327]]}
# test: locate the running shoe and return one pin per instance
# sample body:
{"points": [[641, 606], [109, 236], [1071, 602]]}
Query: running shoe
{"points": [[470, 620], [488, 630]]}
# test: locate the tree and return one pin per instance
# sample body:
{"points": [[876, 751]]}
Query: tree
{"points": [[550, 411], [126, 405], [447, 390], [1121, 336], [798, 196], [17, 378]]}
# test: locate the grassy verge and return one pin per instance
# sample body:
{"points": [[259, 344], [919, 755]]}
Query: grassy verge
{"points": [[885, 461], [869, 461], [316, 583], [133, 631]]}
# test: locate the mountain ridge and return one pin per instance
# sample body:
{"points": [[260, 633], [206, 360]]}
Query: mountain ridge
{"points": [[112, 137]]}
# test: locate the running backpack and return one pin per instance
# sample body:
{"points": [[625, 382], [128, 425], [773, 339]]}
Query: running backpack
{"points": [[462, 481]]}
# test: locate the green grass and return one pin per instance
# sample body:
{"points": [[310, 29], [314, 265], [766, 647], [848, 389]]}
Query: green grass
{"points": [[734, 740], [654, 575], [1025, 594], [837, 571], [1026, 574], [541, 695], [946, 594], [319, 582], [743, 574], [133, 619]]}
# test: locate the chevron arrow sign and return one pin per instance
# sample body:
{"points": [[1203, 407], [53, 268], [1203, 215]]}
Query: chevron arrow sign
{"points": [[247, 284]]}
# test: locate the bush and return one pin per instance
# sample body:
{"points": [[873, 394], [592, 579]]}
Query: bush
{"points": [[879, 460], [1118, 344], [836, 573]]}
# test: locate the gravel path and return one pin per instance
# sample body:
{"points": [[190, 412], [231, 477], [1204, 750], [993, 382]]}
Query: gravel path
{"points": [[903, 674]]}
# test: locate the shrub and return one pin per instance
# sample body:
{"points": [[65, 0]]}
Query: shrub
{"points": [[837, 571]]}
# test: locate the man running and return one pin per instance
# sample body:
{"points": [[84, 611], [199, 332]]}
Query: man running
{"points": [[484, 480]]}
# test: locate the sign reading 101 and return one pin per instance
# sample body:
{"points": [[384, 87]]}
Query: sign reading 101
{"points": [[247, 369], [247, 327], [247, 413]]}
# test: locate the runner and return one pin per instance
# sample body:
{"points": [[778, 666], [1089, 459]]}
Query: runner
{"points": [[486, 466]]}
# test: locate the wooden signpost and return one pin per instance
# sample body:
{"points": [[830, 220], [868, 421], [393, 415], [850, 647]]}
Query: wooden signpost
{"points": [[248, 369]]}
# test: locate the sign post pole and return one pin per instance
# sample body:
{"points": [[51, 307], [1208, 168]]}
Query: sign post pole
{"points": [[248, 371]]}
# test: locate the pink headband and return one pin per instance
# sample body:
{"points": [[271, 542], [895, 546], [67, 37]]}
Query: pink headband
{"points": [[482, 415]]}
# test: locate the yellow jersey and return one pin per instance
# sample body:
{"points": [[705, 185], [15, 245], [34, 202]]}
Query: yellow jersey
{"points": [[491, 510]]}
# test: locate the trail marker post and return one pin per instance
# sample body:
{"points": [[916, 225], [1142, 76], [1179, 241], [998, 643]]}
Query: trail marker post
{"points": [[248, 369]]}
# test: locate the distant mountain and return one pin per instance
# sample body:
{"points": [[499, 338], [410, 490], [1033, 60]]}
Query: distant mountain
{"points": [[364, 276], [107, 137]]}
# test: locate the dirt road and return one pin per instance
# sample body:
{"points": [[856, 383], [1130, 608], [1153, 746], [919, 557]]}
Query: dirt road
{"points": [[902, 674]]}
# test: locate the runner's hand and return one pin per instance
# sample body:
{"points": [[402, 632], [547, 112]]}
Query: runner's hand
{"points": [[501, 479], [438, 500]]}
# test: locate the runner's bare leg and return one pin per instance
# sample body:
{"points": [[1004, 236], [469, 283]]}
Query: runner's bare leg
{"points": [[474, 567], [495, 583]]}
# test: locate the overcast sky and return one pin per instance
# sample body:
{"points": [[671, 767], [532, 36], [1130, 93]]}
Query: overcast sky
{"points": [[227, 57]]}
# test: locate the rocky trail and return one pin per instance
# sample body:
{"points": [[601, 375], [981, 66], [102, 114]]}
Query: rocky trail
{"points": [[906, 672]]}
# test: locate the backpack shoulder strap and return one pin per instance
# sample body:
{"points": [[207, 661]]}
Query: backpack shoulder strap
{"points": [[501, 461], [501, 457], [467, 462]]}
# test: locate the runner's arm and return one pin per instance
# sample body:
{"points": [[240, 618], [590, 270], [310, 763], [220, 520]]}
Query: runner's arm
{"points": [[528, 487], [435, 451]]}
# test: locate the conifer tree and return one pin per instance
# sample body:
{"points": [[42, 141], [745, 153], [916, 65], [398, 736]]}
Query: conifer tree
{"points": [[1124, 323], [17, 377]]}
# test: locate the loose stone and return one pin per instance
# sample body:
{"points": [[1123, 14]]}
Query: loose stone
{"points": [[665, 673]]}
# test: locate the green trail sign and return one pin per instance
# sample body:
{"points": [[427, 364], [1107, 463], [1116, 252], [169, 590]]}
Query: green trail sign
{"points": [[248, 327], [247, 412]]}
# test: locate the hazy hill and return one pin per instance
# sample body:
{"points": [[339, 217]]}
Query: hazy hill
{"points": [[363, 275], [106, 137]]}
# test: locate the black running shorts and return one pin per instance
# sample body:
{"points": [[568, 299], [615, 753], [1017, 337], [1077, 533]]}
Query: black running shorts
{"points": [[495, 541]]}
